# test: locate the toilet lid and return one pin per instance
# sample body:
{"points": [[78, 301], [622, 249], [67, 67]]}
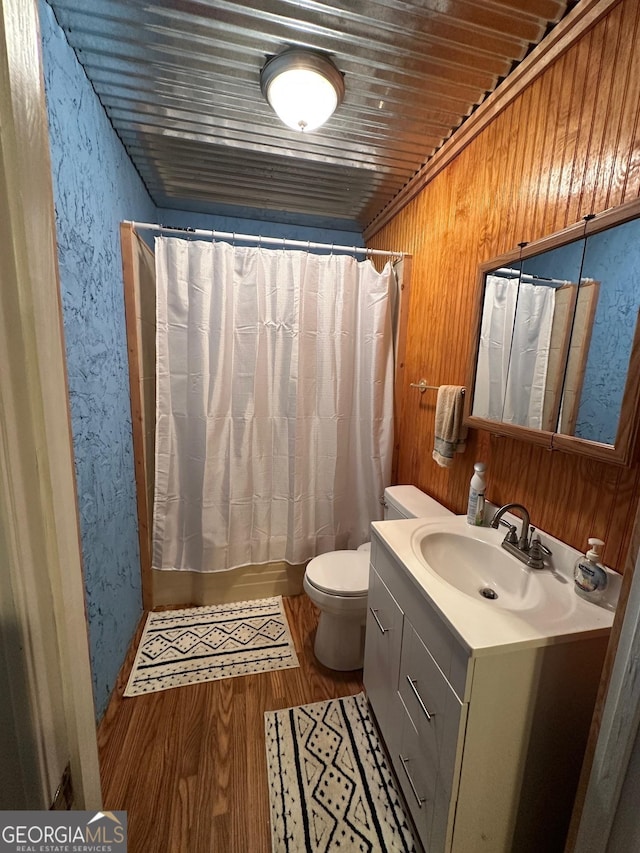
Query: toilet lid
{"points": [[340, 572]]}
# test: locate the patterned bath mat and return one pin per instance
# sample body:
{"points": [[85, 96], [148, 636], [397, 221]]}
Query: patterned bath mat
{"points": [[330, 786], [181, 647]]}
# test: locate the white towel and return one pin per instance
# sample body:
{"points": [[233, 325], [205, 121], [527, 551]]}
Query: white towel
{"points": [[450, 434]]}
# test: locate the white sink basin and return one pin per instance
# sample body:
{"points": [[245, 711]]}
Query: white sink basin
{"points": [[472, 560], [481, 569]]}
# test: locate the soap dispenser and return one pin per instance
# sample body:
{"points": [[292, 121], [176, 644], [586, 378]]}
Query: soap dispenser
{"points": [[589, 574]]}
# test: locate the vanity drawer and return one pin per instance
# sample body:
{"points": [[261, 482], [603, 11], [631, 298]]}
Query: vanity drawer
{"points": [[416, 775], [444, 648], [434, 708]]}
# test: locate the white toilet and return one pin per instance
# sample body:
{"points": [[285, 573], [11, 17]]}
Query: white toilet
{"points": [[338, 584]]}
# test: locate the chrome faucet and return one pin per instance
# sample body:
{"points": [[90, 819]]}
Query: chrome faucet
{"points": [[528, 550], [523, 542]]}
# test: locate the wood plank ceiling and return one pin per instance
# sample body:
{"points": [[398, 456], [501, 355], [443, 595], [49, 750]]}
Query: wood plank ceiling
{"points": [[179, 80]]}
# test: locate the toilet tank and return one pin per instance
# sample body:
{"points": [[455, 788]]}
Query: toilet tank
{"points": [[410, 502]]}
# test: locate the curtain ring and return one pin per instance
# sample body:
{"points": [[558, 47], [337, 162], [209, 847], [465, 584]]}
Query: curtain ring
{"points": [[234, 238], [259, 241], [308, 246], [332, 245], [284, 243]]}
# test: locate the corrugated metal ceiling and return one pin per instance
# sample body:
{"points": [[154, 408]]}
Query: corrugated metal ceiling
{"points": [[179, 80]]}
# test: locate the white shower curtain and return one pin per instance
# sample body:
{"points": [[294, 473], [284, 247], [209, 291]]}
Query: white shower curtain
{"points": [[274, 424], [513, 355]]}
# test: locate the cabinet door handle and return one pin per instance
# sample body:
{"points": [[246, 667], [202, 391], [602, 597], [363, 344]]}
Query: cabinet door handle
{"points": [[412, 685], [374, 613], [404, 761]]}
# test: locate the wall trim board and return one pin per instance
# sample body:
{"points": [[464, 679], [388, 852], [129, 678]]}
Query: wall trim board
{"points": [[582, 17], [404, 298], [247, 583], [132, 272]]}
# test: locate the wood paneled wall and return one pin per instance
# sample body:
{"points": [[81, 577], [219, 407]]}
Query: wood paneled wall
{"points": [[569, 145]]}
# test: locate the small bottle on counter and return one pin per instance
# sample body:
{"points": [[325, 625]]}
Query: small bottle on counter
{"points": [[589, 574], [477, 487]]}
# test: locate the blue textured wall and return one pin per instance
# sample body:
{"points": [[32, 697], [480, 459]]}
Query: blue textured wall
{"points": [[613, 258], [232, 212], [95, 187], [563, 263]]}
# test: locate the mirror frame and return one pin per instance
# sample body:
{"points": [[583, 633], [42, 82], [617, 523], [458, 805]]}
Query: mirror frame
{"points": [[620, 453]]}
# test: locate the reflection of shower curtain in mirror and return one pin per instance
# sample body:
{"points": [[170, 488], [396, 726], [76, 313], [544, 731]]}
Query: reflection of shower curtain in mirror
{"points": [[500, 296], [275, 404], [514, 351], [526, 380]]}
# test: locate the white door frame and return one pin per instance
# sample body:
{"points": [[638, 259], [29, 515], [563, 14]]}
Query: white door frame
{"points": [[43, 591]]}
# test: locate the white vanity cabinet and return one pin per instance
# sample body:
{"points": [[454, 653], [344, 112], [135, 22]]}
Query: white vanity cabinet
{"points": [[486, 744]]}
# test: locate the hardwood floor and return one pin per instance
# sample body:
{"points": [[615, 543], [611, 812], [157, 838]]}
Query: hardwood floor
{"points": [[189, 765]]}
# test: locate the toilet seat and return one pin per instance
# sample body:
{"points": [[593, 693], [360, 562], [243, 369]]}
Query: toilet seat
{"points": [[343, 573]]}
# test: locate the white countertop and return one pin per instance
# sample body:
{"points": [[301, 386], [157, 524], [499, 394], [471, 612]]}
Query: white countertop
{"points": [[483, 625]]}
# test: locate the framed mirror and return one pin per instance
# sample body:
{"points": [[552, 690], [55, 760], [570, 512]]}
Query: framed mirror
{"points": [[557, 349]]}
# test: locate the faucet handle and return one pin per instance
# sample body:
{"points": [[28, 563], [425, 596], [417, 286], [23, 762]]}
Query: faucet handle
{"points": [[512, 535], [537, 552], [544, 548]]}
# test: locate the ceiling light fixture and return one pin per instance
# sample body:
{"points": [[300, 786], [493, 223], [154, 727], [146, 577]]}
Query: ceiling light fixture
{"points": [[303, 87]]}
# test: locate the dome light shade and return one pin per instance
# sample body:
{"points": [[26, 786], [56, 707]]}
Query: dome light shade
{"points": [[303, 87]]}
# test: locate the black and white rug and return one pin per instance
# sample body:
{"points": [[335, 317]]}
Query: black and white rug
{"points": [[181, 647], [330, 786]]}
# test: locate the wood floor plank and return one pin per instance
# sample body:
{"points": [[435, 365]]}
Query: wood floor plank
{"points": [[189, 764]]}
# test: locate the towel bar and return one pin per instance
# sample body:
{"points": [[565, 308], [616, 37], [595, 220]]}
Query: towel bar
{"points": [[422, 386]]}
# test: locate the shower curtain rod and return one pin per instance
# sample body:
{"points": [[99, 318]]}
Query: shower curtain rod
{"points": [[283, 242], [530, 277]]}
